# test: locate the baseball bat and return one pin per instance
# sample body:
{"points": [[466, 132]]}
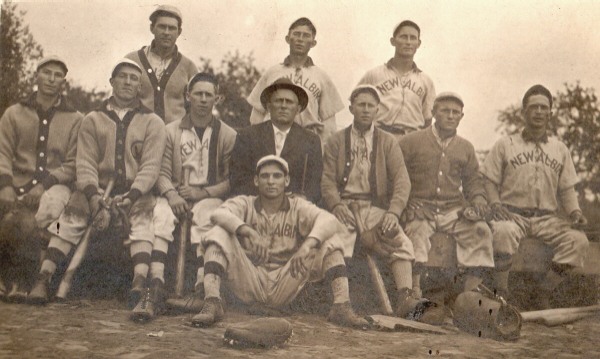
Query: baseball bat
{"points": [[384, 300], [552, 317], [184, 229], [305, 168], [80, 251]]}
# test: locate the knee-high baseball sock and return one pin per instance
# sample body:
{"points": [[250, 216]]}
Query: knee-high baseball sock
{"points": [[158, 259], [57, 252], [199, 267], [503, 263], [214, 269], [403, 276], [336, 274], [140, 256]]}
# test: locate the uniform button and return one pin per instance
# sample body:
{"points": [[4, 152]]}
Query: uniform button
{"points": [[45, 122], [345, 178], [41, 168], [441, 173], [443, 154], [149, 71], [438, 190], [41, 154], [42, 138], [22, 190], [34, 181], [437, 210], [347, 163], [158, 88]]}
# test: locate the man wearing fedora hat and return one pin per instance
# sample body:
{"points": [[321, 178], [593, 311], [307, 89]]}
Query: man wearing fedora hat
{"points": [[283, 137], [165, 70], [323, 98], [121, 141], [445, 180], [38, 143]]}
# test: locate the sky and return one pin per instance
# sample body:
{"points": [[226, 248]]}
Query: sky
{"points": [[489, 51]]}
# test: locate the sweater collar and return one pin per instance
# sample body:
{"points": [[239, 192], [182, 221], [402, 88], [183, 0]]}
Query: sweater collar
{"points": [[187, 124], [137, 106], [61, 103], [528, 137], [309, 62], [285, 205], [414, 68]]}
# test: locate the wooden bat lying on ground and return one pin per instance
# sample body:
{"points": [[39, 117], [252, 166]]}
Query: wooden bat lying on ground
{"points": [[384, 300], [80, 251], [184, 229], [552, 317]]}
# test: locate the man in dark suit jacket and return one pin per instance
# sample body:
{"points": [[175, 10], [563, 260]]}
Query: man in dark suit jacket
{"points": [[282, 137]]}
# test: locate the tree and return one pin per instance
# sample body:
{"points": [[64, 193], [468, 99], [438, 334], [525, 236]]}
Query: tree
{"points": [[18, 56], [575, 121], [237, 76], [84, 100]]}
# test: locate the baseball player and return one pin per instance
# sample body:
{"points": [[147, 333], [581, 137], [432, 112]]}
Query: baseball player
{"points": [[530, 177], [445, 179], [268, 247], [38, 139], [201, 144], [165, 70], [323, 98], [122, 141], [283, 137], [364, 164], [406, 92]]}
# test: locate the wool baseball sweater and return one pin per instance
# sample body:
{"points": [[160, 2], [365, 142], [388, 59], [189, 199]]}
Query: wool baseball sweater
{"points": [[438, 174], [221, 145], [165, 97], [389, 182], [38, 146], [131, 150]]}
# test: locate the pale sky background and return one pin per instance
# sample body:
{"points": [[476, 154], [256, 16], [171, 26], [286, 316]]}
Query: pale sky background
{"points": [[489, 51]]}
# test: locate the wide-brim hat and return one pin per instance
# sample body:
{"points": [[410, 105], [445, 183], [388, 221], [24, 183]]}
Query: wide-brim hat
{"points": [[284, 83]]}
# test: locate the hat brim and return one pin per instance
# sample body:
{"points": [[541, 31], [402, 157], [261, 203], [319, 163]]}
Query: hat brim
{"points": [[299, 91]]}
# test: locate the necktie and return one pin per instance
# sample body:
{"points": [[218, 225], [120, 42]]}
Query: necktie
{"points": [[279, 140]]}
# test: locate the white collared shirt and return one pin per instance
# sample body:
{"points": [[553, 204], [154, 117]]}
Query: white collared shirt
{"points": [[280, 137]]}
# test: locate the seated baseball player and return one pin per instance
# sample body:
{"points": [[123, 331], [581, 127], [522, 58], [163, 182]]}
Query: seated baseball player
{"points": [[199, 145], [123, 142], [364, 164], [267, 247], [283, 137], [530, 177], [445, 179], [38, 139]]}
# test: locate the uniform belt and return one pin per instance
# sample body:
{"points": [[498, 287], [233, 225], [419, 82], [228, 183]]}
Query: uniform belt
{"points": [[357, 196], [530, 212]]}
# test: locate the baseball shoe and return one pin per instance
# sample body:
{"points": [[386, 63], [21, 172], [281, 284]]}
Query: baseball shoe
{"points": [[39, 293], [409, 305], [17, 294], [192, 303], [212, 312], [150, 303], [343, 315], [138, 286]]}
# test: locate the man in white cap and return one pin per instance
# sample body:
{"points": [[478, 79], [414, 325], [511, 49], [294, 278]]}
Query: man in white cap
{"points": [[406, 92], [121, 141], [364, 165], [445, 180], [283, 137], [38, 139], [165, 70], [267, 247], [323, 98]]}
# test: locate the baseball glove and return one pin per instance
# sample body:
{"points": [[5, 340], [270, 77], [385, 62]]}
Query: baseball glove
{"points": [[262, 332], [379, 242], [486, 315]]}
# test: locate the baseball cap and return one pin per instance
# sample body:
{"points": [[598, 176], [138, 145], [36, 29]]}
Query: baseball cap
{"points": [[364, 89], [273, 158], [284, 83], [52, 59], [449, 95], [125, 62], [168, 9]]}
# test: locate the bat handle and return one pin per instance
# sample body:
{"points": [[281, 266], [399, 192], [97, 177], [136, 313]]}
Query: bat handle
{"points": [[182, 248]]}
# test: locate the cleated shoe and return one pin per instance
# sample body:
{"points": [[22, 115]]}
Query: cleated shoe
{"points": [[410, 306], [150, 304], [343, 315], [212, 312], [17, 294], [138, 287], [39, 293], [192, 303]]}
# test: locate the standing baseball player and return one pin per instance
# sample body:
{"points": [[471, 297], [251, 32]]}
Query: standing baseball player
{"points": [[406, 93], [445, 179], [530, 176], [364, 164], [283, 137], [268, 247], [122, 141], [201, 144], [165, 70], [38, 143], [323, 98]]}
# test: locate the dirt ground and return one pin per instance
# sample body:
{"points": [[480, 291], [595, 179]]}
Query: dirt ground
{"points": [[101, 328]]}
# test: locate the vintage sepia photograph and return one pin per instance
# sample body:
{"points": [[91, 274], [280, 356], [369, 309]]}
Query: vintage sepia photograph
{"points": [[299, 179]]}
